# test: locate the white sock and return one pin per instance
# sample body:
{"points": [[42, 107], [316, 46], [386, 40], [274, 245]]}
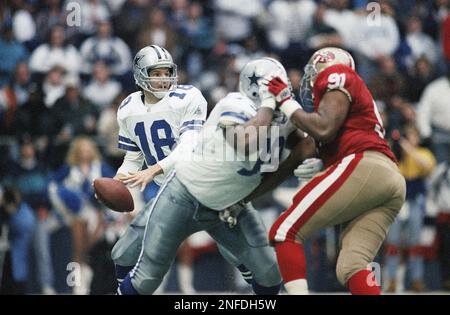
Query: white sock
{"points": [[186, 278], [297, 287]]}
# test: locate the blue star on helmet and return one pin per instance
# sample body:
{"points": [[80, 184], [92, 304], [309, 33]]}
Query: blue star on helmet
{"points": [[137, 59], [254, 79]]}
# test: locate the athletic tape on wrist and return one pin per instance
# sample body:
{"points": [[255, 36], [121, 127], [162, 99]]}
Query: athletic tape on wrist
{"points": [[289, 107]]}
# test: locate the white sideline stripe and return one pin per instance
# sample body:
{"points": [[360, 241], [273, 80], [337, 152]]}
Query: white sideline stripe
{"points": [[169, 178], [309, 199]]}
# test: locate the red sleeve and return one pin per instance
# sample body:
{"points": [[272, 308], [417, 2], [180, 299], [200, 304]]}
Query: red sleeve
{"points": [[337, 77], [446, 37]]}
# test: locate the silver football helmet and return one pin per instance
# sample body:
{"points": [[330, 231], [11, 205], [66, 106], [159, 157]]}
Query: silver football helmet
{"points": [[154, 57], [254, 71]]}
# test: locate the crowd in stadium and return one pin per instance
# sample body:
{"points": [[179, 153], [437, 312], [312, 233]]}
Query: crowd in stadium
{"points": [[65, 69]]}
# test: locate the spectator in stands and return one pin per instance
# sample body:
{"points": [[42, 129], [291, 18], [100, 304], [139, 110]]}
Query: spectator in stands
{"points": [[55, 52], [418, 43], [439, 197], [11, 52], [21, 83], [106, 47], [8, 109], [50, 15], [287, 26], [416, 163], [156, 30], [177, 13], [108, 131], [443, 10], [405, 9], [24, 27], [53, 86], [376, 40], [29, 175], [21, 222], [33, 117], [433, 115], [13, 96], [388, 81], [240, 15], [129, 20], [72, 116], [321, 35], [92, 13], [198, 40], [102, 89], [446, 38], [343, 20], [418, 78], [248, 51], [72, 197]]}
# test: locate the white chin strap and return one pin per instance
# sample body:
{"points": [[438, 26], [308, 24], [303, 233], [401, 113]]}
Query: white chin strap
{"points": [[159, 95]]}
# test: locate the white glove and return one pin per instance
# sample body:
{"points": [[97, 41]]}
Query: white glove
{"points": [[230, 214], [308, 169], [267, 98]]}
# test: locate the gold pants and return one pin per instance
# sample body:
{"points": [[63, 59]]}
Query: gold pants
{"points": [[363, 192]]}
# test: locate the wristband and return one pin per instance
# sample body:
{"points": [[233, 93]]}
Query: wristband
{"points": [[289, 107], [269, 102]]}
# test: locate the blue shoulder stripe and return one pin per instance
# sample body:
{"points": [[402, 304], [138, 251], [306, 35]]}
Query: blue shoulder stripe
{"points": [[192, 122], [236, 115], [128, 148], [126, 140]]}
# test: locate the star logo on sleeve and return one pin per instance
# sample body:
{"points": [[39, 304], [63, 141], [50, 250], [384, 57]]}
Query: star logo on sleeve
{"points": [[198, 111], [254, 79]]}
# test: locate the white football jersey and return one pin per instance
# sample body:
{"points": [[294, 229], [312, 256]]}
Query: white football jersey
{"points": [[154, 130], [218, 175]]}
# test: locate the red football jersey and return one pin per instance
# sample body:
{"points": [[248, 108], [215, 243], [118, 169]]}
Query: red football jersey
{"points": [[363, 129]]}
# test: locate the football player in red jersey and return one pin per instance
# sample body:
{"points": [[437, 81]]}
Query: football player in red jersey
{"points": [[361, 186]]}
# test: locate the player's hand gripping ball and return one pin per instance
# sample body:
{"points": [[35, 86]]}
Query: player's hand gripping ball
{"points": [[113, 194]]}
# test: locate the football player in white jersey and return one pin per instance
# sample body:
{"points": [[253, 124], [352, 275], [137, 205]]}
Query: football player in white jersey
{"points": [[156, 124], [211, 186]]}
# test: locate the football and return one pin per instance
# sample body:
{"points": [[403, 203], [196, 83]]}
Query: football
{"points": [[113, 194]]}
